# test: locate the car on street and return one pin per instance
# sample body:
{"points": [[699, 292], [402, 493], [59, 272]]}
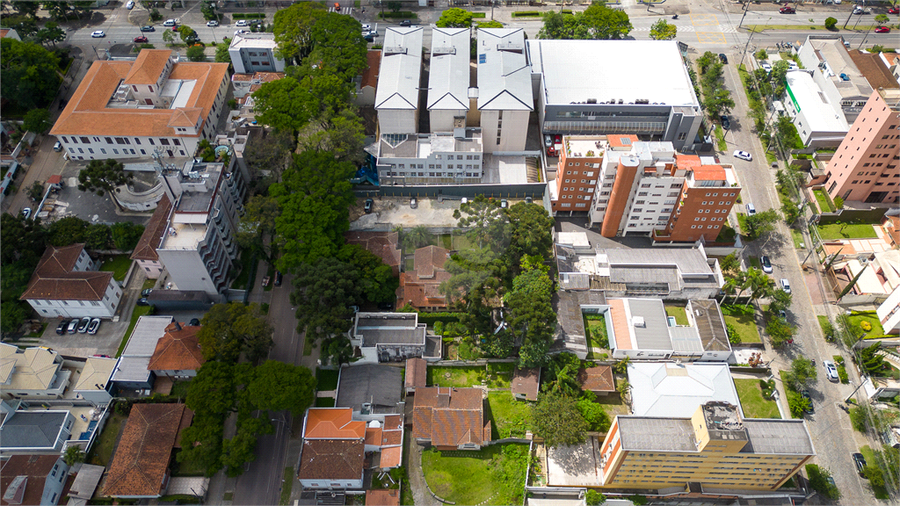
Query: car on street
{"points": [[371, 33], [743, 155], [785, 285], [860, 462], [278, 278], [57, 146], [723, 58], [212, 24], [73, 326], [26, 212], [83, 326], [810, 410], [195, 322], [413, 203], [146, 291], [406, 22], [61, 328], [92, 328], [830, 370], [894, 10], [787, 10], [882, 29], [860, 10], [142, 302], [751, 209], [368, 38], [170, 22], [726, 123], [766, 264], [240, 32], [365, 27], [140, 39], [98, 34], [369, 205], [148, 28], [130, 5], [241, 22], [766, 66]]}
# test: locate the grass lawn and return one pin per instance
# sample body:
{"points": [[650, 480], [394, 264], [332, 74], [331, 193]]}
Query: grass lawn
{"points": [[745, 327], [180, 388], [118, 265], [857, 319], [101, 452], [326, 379], [823, 322], [869, 454], [499, 375], [752, 400], [135, 314], [852, 231], [824, 201], [720, 139], [467, 477], [148, 283], [288, 485], [509, 417], [754, 262], [324, 402], [597, 333], [454, 376], [798, 239], [613, 405], [679, 313], [188, 468]]}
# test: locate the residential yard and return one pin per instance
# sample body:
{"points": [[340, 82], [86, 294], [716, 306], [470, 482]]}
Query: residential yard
{"points": [[743, 323], [849, 231], [857, 319], [324, 402], [679, 313], [454, 376], [190, 467], [492, 475], [135, 314], [499, 375], [752, 400], [614, 405], [597, 336], [798, 239], [326, 379], [869, 454], [102, 451], [824, 201], [118, 265], [509, 417]]}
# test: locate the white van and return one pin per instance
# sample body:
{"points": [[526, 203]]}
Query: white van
{"points": [[785, 285], [170, 22], [750, 209]]}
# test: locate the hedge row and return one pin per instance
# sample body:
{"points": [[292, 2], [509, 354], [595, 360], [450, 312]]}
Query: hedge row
{"points": [[526, 14], [398, 14], [432, 318], [479, 15], [248, 15]]}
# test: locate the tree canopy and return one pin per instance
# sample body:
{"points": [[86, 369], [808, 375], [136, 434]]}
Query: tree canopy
{"points": [[101, 176], [455, 18], [596, 22], [233, 328], [324, 292], [531, 316], [293, 29], [557, 419], [29, 72], [661, 30]]}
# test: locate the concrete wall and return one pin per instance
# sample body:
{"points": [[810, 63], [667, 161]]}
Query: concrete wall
{"points": [[513, 130], [393, 121]]}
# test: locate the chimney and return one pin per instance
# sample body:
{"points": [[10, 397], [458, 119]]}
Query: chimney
{"points": [[177, 326], [15, 492]]}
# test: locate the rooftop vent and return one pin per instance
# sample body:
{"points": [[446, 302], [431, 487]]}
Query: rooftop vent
{"points": [[389, 50], [442, 51], [639, 322]]}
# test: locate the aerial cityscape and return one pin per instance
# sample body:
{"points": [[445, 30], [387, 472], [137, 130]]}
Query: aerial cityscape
{"points": [[450, 252]]}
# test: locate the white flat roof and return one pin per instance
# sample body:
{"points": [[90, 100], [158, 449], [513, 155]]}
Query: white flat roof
{"points": [[401, 66], [448, 79], [145, 335], [821, 114], [253, 41], [676, 390], [627, 70], [504, 79]]}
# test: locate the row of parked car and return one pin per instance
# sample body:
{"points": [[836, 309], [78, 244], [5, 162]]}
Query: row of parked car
{"points": [[79, 325]]}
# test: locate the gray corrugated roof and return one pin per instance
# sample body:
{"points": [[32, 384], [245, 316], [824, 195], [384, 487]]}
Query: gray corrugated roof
{"points": [[145, 335], [782, 437], [710, 325], [685, 339], [132, 369], [689, 261], [570, 322], [504, 76], [32, 429], [377, 384], [401, 66], [448, 79], [389, 328], [656, 434], [654, 335]]}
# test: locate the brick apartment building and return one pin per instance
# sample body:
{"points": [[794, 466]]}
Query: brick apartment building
{"points": [[864, 168]]}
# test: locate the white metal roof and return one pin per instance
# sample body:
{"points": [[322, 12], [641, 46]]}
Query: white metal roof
{"points": [[677, 390], [627, 70], [448, 80], [821, 114], [401, 66], [145, 335], [504, 77]]}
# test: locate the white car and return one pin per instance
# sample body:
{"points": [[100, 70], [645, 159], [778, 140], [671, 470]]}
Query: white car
{"points": [[130, 5], [240, 32], [26, 212], [212, 23], [830, 370], [170, 22], [743, 155], [766, 66], [365, 27], [242, 22], [98, 34]]}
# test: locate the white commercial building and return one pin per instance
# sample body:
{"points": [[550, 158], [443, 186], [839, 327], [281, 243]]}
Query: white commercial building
{"points": [[889, 313], [397, 96], [677, 390], [448, 78], [505, 98], [255, 52], [440, 158], [818, 119]]}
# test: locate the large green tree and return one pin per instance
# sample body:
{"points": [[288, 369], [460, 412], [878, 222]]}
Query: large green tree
{"points": [[29, 72], [530, 232], [661, 30], [760, 224], [102, 176], [293, 29], [455, 18], [557, 419], [230, 329], [377, 282], [256, 228], [324, 292], [339, 46], [66, 231], [531, 316], [605, 22]]}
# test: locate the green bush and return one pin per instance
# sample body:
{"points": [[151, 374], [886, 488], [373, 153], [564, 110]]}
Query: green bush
{"points": [[818, 480], [594, 498], [248, 15], [842, 374], [830, 23], [526, 14], [430, 318], [478, 15], [439, 327]]}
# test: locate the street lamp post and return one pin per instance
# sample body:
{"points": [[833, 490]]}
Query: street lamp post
{"points": [[861, 383]]}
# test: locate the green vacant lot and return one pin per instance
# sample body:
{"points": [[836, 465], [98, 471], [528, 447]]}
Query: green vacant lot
{"points": [[326, 379], [118, 265], [102, 451], [752, 401], [745, 326], [509, 417], [851, 231], [499, 375], [493, 474], [824, 201], [454, 376]]}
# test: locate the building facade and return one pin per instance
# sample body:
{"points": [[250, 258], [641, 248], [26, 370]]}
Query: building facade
{"points": [[454, 157], [448, 79], [255, 52], [707, 196], [397, 96], [505, 98], [864, 167]]}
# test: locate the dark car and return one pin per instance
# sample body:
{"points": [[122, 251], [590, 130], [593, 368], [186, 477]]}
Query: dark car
{"points": [[810, 410], [61, 328], [723, 58], [142, 302], [369, 205], [386, 306], [787, 10], [148, 28], [406, 22], [83, 326], [368, 38], [146, 291], [92, 328], [726, 123], [73, 326], [278, 278], [195, 322], [860, 462], [140, 39]]}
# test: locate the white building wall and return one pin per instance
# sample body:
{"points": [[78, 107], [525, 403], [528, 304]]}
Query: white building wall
{"points": [[151, 269], [187, 269], [332, 485], [179, 374], [889, 313], [397, 121], [513, 130], [98, 148], [646, 210], [442, 120], [104, 308]]}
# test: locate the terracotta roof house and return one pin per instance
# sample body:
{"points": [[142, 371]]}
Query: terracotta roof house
{"points": [[131, 109], [416, 374], [66, 284], [597, 379], [245, 83], [526, 383], [367, 82], [145, 251], [385, 245], [450, 418], [32, 479], [177, 353], [140, 465], [420, 287], [383, 497]]}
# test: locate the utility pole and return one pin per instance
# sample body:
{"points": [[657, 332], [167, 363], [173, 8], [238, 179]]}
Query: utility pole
{"points": [[746, 8]]}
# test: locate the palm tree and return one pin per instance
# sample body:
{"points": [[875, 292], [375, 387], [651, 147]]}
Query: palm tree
{"points": [[759, 283]]}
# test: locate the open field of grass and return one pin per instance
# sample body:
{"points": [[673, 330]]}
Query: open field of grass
{"points": [[118, 265], [745, 326], [857, 319], [752, 400], [494, 474], [851, 231], [454, 376], [824, 201], [509, 417], [102, 451], [326, 379]]}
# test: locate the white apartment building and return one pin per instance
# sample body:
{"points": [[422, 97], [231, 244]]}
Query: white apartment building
{"points": [[198, 248], [397, 96], [439, 158], [131, 109], [448, 78], [505, 98], [255, 52]]}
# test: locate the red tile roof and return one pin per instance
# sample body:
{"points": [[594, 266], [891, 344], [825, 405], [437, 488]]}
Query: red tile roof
{"points": [[333, 423], [383, 497], [872, 67], [153, 232], [597, 379], [331, 459], [421, 287], [35, 467], [373, 437], [391, 457], [416, 372], [383, 244], [450, 416], [53, 278], [370, 75], [526, 382], [177, 350], [709, 173], [141, 460]]}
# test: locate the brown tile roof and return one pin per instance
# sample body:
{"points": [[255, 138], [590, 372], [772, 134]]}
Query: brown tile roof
{"points": [[177, 350], [391, 437], [185, 117], [53, 278], [370, 75], [373, 437], [383, 244], [416, 372], [597, 379], [153, 232], [35, 467], [88, 113], [421, 287], [383, 497], [331, 459], [148, 66], [430, 259], [526, 382], [872, 67], [333, 423], [393, 422], [141, 460], [450, 416], [391, 457]]}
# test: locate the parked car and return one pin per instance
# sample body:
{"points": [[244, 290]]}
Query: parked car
{"points": [[504, 204], [859, 9], [195, 322], [860, 462], [882, 29], [61, 328], [766, 66], [170, 22], [785, 285], [278, 278], [242, 22], [240, 32], [406, 22], [83, 326], [73, 326], [98, 34], [810, 410], [26, 212], [146, 291], [92, 328], [413, 203], [148, 28], [265, 281], [787, 10], [368, 38], [830, 370], [743, 155], [894, 10], [751, 209], [386, 306], [723, 58], [130, 5], [365, 27], [212, 24], [369, 205], [766, 264], [57, 146], [726, 123], [142, 302], [140, 40]]}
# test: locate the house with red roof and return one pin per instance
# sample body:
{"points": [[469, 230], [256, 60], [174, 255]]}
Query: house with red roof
{"points": [[450, 418], [421, 287], [177, 353]]}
